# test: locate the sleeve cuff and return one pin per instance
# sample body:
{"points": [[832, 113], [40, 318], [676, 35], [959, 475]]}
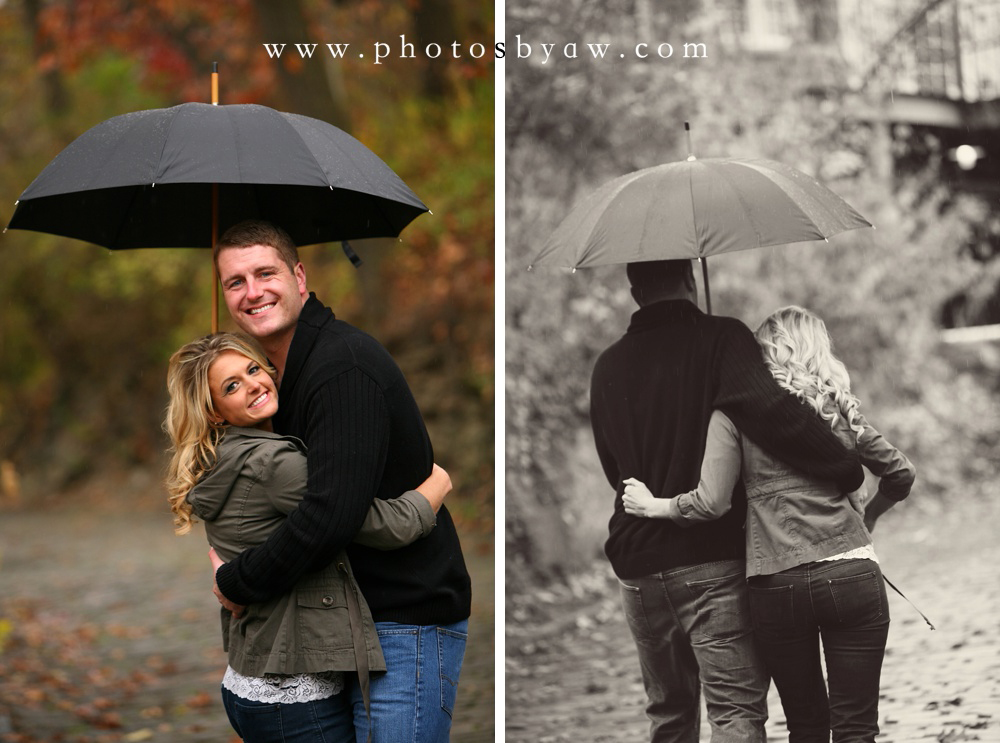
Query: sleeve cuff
{"points": [[428, 519], [676, 513]]}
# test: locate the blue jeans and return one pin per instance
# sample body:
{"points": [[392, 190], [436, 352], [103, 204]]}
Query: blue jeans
{"points": [[326, 720], [692, 629], [844, 603], [413, 701]]}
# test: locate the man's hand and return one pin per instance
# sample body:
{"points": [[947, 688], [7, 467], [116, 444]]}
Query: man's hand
{"points": [[217, 563], [639, 501], [876, 507], [858, 498]]}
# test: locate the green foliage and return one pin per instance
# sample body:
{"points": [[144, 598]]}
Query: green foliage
{"points": [[85, 332]]}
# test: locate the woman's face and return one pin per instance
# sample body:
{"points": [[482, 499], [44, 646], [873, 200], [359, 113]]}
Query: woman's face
{"points": [[242, 392]]}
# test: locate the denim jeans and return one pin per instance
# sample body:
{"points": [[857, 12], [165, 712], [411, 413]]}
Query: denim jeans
{"points": [[692, 629], [327, 720], [413, 701], [844, 603]]}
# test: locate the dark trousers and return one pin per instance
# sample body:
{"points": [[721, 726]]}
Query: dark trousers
{"points": [[842, 602], [691, 627]]}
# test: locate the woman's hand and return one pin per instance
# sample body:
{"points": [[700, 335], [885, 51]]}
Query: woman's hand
{"points": [[639, 501], [435, 487], [217, 563]]}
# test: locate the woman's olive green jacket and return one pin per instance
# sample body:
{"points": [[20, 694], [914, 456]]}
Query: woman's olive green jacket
{"points": [[324, 623]]}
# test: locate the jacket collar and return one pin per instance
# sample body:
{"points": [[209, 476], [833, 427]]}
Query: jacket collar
{"points": [[238, 432], [660, 313], [313, 317]]}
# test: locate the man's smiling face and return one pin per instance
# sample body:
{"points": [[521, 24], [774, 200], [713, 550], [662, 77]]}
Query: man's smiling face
{"points": [[263, 295]]}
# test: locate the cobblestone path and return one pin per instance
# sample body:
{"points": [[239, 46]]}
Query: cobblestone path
{"points": [[109, 632], [572, 672]]}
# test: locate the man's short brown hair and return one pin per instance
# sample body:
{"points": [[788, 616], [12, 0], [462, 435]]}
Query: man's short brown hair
{"points": [[258, 232]]}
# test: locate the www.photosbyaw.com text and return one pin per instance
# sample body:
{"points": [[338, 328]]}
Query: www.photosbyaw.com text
{"points": [[536, 52]]}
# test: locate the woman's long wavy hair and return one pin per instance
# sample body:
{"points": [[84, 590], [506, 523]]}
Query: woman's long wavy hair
{"points": [[190, 415], [799, 353]]}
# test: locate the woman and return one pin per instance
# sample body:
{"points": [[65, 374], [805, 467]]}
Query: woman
{"points": [[811, 567], [288, 656]]}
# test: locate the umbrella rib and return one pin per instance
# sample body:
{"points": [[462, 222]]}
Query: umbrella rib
{"points": [[819, 208], [133, 193], [378, 199], [694, 212], [743, 204], [163, 146], [134, 190], [645, 222]]}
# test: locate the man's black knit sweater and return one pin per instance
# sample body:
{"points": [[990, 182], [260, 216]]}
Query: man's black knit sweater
{"points": [[652, 394], [346, 398]]}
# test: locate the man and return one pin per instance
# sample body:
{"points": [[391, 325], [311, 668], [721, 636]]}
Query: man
{"points": [[683, 590], [343, 395]]}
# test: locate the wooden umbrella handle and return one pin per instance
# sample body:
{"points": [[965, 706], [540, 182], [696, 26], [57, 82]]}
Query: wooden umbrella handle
{"points": [[215, 215]]}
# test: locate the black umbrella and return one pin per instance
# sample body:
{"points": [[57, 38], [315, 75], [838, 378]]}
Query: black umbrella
{"points": [[168, 177]]}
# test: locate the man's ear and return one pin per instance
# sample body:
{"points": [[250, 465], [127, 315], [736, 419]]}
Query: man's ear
{"points": [[300, 278]]}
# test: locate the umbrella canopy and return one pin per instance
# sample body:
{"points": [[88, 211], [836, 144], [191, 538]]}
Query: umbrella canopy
{"points": [[146, 179], [694, 209]]}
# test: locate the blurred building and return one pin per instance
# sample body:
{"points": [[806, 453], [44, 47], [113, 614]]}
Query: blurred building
{"points": [[916, 66], [925, 76]]}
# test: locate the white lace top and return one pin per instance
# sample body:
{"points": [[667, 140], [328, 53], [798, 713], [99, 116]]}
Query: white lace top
{"points": [[865, 552], [275, 689]]}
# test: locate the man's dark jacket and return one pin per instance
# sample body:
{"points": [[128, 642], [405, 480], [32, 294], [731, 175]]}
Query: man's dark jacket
{"points": [[652, 394], [346, 398]]}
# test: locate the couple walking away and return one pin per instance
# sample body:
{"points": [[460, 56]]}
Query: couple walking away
{"points": [[741, 534], [345, 594]]}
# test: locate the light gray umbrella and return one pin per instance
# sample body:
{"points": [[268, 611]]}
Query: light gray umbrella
{"points": [[695, 209]]}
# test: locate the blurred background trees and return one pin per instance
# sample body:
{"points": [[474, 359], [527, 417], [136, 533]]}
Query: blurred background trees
{"points": [[85, 332], [781, 86]]}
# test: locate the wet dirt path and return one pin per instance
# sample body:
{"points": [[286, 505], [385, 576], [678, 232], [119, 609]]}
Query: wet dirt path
{"points": [[572, 672], [109, 632]]}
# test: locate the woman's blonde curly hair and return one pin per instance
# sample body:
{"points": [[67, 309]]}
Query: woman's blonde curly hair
{"points": [[190, 414], [799, 353]]}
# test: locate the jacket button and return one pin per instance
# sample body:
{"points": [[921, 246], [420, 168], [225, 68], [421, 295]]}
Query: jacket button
{"points": [[328, 601]]}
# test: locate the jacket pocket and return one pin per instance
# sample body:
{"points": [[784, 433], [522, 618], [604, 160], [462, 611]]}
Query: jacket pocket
{"points": [[322, 621]]}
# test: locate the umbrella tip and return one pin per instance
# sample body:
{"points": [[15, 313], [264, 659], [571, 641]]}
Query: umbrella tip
{"points": [[529, 265], [430, 212], [574, 270], [873, 227]]}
